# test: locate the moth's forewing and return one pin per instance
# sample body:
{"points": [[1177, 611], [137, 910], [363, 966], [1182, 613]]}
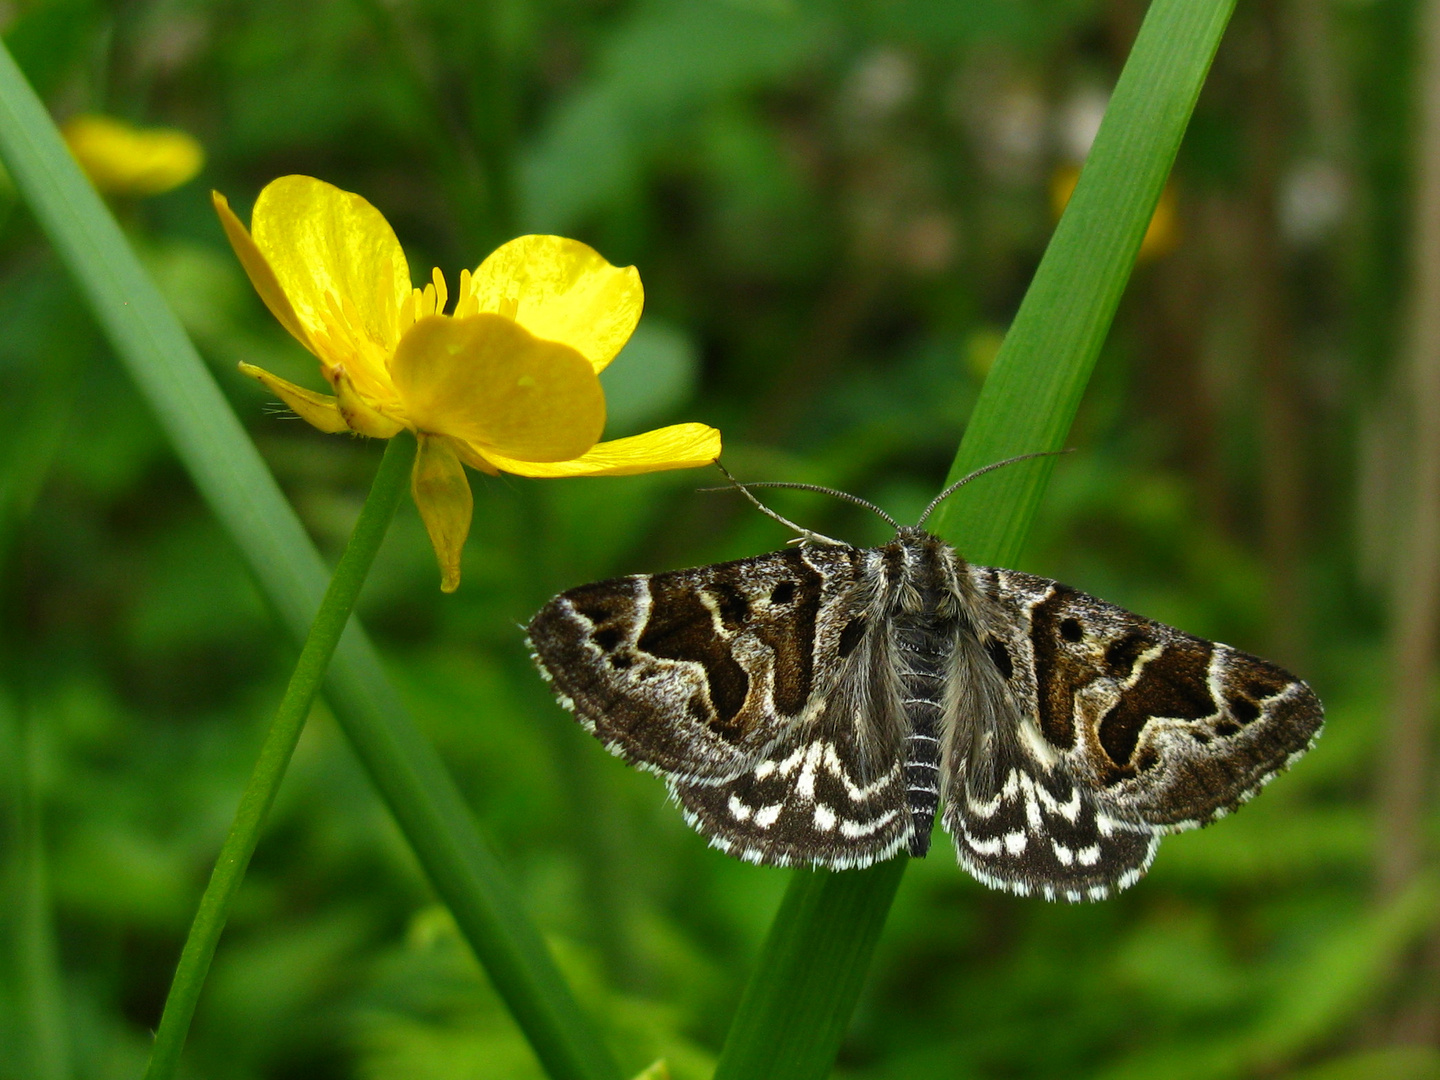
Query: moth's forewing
{"points": [[1122, 729], [697, 673], [832, 792], [1167, 729]]}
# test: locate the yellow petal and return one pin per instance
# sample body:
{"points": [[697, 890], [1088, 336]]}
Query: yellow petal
{"points": [[125, 160], [342, 270], [359, 414], [259, 272], [485, 380], [681, 446], [317, 410], [473, 459], [561, 290], [442, 493]]}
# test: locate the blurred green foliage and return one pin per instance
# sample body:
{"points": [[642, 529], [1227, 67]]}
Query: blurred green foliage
{"points": [[835, 208]]}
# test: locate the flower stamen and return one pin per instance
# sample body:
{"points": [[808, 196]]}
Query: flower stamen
{"points": [[442, 295], [467, 303]]}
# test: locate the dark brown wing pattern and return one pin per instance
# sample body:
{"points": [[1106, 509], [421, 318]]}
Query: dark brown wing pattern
{"points": [[1168, 730], [696, 674], [1020, 819], [1082, 733], [833, 791]]}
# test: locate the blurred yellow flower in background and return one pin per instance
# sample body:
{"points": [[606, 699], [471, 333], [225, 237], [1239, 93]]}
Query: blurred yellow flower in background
{"points": [[124, 160], [1164, 230], [507, 382]]}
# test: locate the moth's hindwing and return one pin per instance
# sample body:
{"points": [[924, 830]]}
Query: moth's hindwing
{"points": [[1021, 820], [697, 674], [833, 791]]}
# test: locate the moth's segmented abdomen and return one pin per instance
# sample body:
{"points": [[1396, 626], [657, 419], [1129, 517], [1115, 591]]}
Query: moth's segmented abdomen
{"points": [[924, 652]]}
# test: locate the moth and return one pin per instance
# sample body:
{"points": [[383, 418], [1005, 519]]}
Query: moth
{"points": [[823, 704]]}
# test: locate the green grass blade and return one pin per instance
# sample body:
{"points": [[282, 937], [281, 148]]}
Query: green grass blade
{"points": [[809, 975], [240, 490], [29, 940], [797, 1004], [1029, 400]]}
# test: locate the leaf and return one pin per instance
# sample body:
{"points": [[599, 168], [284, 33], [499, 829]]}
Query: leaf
{"points": [[1332, 984], [1345, 973]]}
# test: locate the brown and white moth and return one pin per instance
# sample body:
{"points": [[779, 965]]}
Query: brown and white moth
{"points": [[820, 705]]}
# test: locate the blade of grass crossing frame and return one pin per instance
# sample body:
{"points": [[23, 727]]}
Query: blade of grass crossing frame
{"points": [[236, 484], [797, 1005], [1030, 398], [42, 1044]]}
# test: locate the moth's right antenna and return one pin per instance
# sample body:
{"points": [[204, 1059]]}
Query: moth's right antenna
{"points": [[808, 534], [958, 484]]}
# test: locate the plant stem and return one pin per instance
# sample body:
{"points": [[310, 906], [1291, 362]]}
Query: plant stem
{"points": [[1404, 772], [350, 574], [1406, 786], [492, 114]]}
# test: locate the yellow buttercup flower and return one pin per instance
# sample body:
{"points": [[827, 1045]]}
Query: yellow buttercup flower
{"points": [[507, 382], [125, 160]]}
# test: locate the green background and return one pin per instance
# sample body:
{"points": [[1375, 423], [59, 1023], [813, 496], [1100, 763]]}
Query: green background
{"points": [[835, 208]]}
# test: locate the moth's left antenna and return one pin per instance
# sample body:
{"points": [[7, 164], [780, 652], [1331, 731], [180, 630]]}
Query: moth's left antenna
{"points": [[807, 534]]}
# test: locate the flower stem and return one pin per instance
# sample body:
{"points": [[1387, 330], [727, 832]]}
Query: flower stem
{"points": [[255, 803]]}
